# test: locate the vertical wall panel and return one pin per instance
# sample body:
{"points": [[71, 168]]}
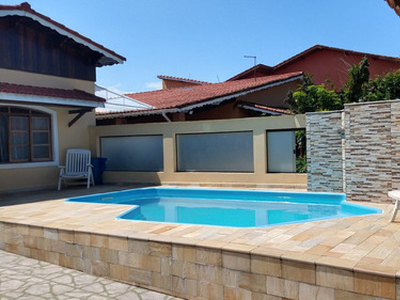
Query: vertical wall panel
{"points": [[324, 152]]}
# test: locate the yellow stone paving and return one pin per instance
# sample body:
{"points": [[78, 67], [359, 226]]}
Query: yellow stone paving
{"points": [[369, 243]]}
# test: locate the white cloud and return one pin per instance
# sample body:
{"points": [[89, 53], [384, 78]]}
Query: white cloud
{"points": [[154, 85]]}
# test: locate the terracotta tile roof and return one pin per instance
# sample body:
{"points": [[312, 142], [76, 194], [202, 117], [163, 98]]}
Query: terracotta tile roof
{"points": [[25, 7], [20, 89], [180, 97], [182, 79]]}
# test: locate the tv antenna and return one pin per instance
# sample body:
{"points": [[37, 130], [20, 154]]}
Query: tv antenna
{"points": [[255, 63], [253, 57]]}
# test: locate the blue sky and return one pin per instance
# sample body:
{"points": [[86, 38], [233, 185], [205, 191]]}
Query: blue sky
{"points": [[207, 39]]}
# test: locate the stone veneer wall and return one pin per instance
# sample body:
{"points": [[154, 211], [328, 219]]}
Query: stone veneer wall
{"points": [[197, 272], [368, 151], [371, 150], [324, 152]]}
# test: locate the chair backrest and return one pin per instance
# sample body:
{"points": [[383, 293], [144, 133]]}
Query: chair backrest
{"points": [[77, 161]]}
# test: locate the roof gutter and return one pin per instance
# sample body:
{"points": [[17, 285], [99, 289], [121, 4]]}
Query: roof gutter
{"points": [[274, 113], [39, 99]]}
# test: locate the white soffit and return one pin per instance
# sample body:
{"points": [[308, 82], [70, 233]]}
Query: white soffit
{"points": [[34, 99]]}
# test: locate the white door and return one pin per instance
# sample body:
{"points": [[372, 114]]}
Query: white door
{"points": [[281, 147]]}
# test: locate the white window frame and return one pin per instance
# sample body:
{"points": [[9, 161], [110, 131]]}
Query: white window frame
{"points": [[54, 137]]}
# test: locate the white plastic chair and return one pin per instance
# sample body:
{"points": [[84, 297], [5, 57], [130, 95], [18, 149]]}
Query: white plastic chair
{"points": [[396, 196], [77, 166]]}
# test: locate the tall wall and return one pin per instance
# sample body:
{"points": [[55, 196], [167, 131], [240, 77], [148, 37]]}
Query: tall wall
{"points": [[324, 152], [371, 150], [258, 126]]}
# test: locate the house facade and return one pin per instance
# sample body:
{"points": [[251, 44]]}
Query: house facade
{"points": [[249, 93], [47, 100], [325, 63], [240, 132]]}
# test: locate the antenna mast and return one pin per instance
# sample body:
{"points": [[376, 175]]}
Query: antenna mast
{"points": [[255, 62], [253, 57]]}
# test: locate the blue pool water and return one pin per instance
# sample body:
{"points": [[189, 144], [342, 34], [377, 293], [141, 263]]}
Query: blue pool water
{"points": [[232, 208]]}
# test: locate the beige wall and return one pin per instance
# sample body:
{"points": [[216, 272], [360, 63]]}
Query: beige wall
{"points": [[76, 136], [13, 177], [169, 130], [27, 78]]}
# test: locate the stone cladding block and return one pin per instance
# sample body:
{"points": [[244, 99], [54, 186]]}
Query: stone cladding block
{"points": [[368, 151], [324, 152]]}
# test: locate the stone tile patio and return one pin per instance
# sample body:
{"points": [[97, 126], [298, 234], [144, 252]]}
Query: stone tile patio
{"points": [[31, 279], [348, 258]]}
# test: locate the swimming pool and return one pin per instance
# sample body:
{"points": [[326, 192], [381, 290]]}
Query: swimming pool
{"points": [[231, 208]]}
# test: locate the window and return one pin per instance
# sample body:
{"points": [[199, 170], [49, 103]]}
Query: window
{"points": [[25, 135], [215, 152], [141, 153], [286, 151]]}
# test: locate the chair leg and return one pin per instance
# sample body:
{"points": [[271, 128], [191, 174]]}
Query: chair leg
{"points": [[59, 183], [91, 177], [395, 210], [88, 181]]}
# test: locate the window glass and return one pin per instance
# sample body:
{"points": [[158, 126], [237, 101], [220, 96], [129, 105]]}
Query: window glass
{"points": [[17, 110], [19, 123], [24, 135], [286, 151], [41, 152], [133, 153], [19, 133], [281, 151], [215, 152], [40, 138], [40, 123], [4, 157]]}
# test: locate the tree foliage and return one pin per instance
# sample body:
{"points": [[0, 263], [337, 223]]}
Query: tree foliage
{"points": [[310, 97], [358, 78], [383, 88]]}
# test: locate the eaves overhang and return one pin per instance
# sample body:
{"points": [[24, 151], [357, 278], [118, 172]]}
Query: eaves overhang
{"points": [[48, 100], [109, 57], [191, 106]]}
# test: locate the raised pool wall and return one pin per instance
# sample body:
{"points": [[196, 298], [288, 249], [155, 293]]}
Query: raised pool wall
{"points": [[356, 151], [203, 270], [169, 131]]}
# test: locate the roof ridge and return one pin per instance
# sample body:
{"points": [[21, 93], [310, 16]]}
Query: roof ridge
{"points": [[249, 70], [323, 47], [183, 79], [178, 97]]}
